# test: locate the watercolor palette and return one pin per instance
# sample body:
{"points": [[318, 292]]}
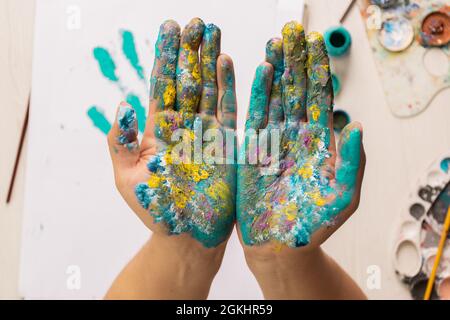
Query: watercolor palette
{"points": [[420, 230], [409, 41]]}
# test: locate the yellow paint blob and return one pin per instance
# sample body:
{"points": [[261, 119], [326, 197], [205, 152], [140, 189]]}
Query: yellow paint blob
{"points": [[181, 196], [306, 171], [315, 112], [317, 198], [290, 211], [154, 181], [169, 94]]}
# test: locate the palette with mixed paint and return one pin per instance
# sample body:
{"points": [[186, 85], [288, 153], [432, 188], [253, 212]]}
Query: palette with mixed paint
{"points": [[420, 230], [410, 44]]}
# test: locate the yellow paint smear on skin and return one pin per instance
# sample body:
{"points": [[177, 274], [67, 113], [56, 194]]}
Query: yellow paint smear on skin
{"points": [[169, 94], [181, 196], [315, 112], [317, 198], [154, 181], [218, 191], [306, 171], [290, 211], [164, 126], [193, 172], [288, 31]]}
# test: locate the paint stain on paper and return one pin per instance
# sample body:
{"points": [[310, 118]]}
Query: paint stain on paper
{"points": [[108, 69], [98, 119]]}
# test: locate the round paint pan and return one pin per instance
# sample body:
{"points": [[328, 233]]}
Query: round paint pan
{"points": [[385, 3], [418, 287], [338, 41], [444, 289], [436, 62], [435, 29], [410, 230], [408, 260], [340, 120], [417, 210], [396, 34]]}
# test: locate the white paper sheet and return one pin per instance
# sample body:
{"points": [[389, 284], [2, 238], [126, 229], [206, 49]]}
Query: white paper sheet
{"points": [[78, 233]]}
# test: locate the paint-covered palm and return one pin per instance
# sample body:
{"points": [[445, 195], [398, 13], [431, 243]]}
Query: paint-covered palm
{"points": [[301, 183], [175, 180]]}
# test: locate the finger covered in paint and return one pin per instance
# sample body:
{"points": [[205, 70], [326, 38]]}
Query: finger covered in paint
{"points": [[123, 137], [162, 82], [320, 89], [227, 92], [274, 56], [259, 100], [210, 51], [189, 81], [348, 164], [294, 76]]}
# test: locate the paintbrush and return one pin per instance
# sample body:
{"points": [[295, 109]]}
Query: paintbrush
{"points": [[438, 256], [347, 11], [19, 152]]}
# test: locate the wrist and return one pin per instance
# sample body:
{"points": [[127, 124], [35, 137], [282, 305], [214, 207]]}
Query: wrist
{"points": [[190, 259], [282, 274], [186, 247]]}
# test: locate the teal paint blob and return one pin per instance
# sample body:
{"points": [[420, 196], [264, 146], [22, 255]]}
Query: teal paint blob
{"points": [[338, 41], [129, 50], [106, 63], [259, 99], [347, 173], [99, 120], [140, 110], [445, 165]]}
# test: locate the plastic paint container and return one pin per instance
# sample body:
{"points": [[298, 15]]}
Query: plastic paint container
{"points": [[338, 41], [340, 120]]}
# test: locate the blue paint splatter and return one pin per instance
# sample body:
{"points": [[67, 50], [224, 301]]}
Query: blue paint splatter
{"points": [[106, 63], [135, 101], [129, 50], [99, 120]]}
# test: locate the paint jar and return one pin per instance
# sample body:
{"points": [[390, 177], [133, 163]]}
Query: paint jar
{"points": [[340, 120], [338, 41]]}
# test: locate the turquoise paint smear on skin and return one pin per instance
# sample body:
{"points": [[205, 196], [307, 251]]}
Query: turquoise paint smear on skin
{"points": [[99, 120], [135, 102], [126, 120], [129, 50], [106, 63]]}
